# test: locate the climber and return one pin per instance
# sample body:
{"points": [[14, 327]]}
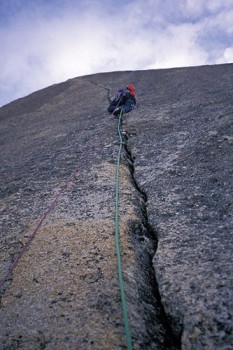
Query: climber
{"points": [[124, 101]]}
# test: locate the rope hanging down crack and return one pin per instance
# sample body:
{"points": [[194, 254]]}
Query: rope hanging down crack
{"points": [[119, 264]]}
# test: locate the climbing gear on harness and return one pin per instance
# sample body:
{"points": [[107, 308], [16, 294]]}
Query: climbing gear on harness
{"points": [[121, 281], [118, 110]]}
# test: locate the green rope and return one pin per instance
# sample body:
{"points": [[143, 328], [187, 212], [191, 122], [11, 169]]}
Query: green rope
{"points": [[123, 301]]}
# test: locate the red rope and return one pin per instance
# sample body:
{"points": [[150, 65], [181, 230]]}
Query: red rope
{"points": [[52, 205]]}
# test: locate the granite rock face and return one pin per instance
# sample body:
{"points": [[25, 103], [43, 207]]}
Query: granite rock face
{"points": [[175, 213]]}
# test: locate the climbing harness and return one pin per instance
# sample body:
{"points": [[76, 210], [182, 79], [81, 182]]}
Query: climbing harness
{"points": [[121, 281]]}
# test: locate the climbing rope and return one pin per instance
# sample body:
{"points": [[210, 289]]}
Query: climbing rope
{"points": [[121, 281], [52, 205]]}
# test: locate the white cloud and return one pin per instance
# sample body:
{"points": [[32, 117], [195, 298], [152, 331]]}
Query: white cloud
{"points": [[40, 48], [216, 5], [199, 8], [178, 48], [194, 8], [227, 56]]}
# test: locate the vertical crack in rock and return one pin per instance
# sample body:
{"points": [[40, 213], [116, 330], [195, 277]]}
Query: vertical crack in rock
{"points": [[158, 334], [160, 321]]}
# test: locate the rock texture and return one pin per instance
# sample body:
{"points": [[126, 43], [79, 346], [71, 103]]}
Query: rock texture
{"points": [[175, 213]]}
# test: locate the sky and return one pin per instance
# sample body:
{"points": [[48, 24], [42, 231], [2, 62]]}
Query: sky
{"points": [[49, 41]]}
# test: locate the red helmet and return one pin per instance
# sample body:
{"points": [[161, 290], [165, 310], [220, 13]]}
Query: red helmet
{"points": [[130, 87]]}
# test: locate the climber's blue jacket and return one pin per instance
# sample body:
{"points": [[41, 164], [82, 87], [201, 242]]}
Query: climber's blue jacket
{"points": [[124, 99]]}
